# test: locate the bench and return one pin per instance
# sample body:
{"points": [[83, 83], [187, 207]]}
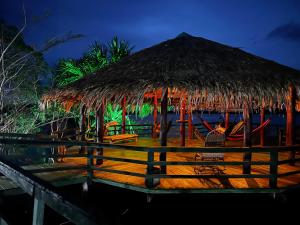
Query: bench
{"points": [[120, 137]]}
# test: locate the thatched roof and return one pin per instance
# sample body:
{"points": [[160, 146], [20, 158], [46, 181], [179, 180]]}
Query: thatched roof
{"points": [[207, 71]]}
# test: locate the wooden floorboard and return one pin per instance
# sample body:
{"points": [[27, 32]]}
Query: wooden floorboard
{"points": [[167, 183]]}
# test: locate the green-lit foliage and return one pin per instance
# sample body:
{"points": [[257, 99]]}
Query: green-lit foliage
{"points": [[96, 58], [115, 114], [33, 119], [171, 108], [67, 72], [118, 49], [144, 111]]}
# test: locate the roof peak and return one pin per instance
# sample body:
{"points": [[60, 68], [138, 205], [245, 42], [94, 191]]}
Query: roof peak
{"points": [[183, 34]]}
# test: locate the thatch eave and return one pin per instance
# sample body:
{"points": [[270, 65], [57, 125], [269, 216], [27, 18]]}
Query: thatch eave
{"points": [[208, 71]]}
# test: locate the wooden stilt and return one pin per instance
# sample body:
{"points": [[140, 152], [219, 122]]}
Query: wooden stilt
{"points": [[290, 121], [38, 212], [124, 115], [190, 123], [3, 222], [82, 127], [154, 115], [247, 137], [100, 130], [163, 126], [227, 119], [182, 124], [262, 131]]}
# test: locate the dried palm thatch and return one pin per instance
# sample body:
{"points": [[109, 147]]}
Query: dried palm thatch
{"points": [[211, 75]]}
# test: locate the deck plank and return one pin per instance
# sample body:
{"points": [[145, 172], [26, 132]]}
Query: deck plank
{"points": [[168, 183]]}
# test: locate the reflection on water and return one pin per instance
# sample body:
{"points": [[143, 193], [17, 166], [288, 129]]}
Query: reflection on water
{"points": [[26, 155]]}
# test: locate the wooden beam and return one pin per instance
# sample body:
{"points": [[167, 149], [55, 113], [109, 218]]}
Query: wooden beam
{"points": [[45, 192], [124, 115], [182, 124], [38, 212], [100, 130], [154, 114], [82, 127], [163, 126], [247, 137], [190, 123], [2, 221], [227, 119], [262, 131], [290, 119]]}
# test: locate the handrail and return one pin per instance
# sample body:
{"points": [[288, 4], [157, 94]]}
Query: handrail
{"points": [[150, 163], [45, 192], [59, 142]]}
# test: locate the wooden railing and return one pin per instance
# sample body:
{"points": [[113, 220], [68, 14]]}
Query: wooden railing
{"points": [[150, 164], [149, 176]]}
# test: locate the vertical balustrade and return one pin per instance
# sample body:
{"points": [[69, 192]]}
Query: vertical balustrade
{"points": [[38, 212], [150, 169], [273, 169]]}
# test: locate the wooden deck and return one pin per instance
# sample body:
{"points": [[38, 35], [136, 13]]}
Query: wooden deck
{"points": [[168, 183], [73, 169], [172, 183]]}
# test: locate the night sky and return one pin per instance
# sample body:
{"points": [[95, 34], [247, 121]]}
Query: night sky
{"points": [[267, 28]]}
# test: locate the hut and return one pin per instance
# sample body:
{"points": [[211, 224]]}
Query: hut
{"points": [[193, 73]]}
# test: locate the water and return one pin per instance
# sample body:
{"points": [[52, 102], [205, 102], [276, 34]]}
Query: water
{"points": [[278, 121], [113, 206]]}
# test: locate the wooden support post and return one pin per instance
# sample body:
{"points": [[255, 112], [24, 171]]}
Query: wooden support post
{"points": [[100, 130], [3, 222], [154, 115], [82, 127], [150, 168], [163, 126], [182, 124], [273, 169], [247, 138], [124, 115], [38, 212], [90, 164], [190, 123], [290, 121], [262, 131], [227, 119]]}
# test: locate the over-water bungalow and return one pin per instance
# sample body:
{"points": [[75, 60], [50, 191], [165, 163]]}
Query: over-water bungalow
{"points": [[192, 74]]}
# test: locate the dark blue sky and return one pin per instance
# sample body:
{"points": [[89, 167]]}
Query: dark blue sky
{"points": [[267, 28]]}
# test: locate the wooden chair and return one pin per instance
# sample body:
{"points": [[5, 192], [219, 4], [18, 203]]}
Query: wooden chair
{"points": [[213, 139]]}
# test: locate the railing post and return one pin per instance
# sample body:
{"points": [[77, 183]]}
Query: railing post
{"points": [[90, 165], [280, 135], [273, 169], [38, 212], [150, 168]]}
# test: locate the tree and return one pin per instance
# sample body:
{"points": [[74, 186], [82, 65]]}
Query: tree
{"points": [[21, 70], [96, 58], [118, 49]]}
